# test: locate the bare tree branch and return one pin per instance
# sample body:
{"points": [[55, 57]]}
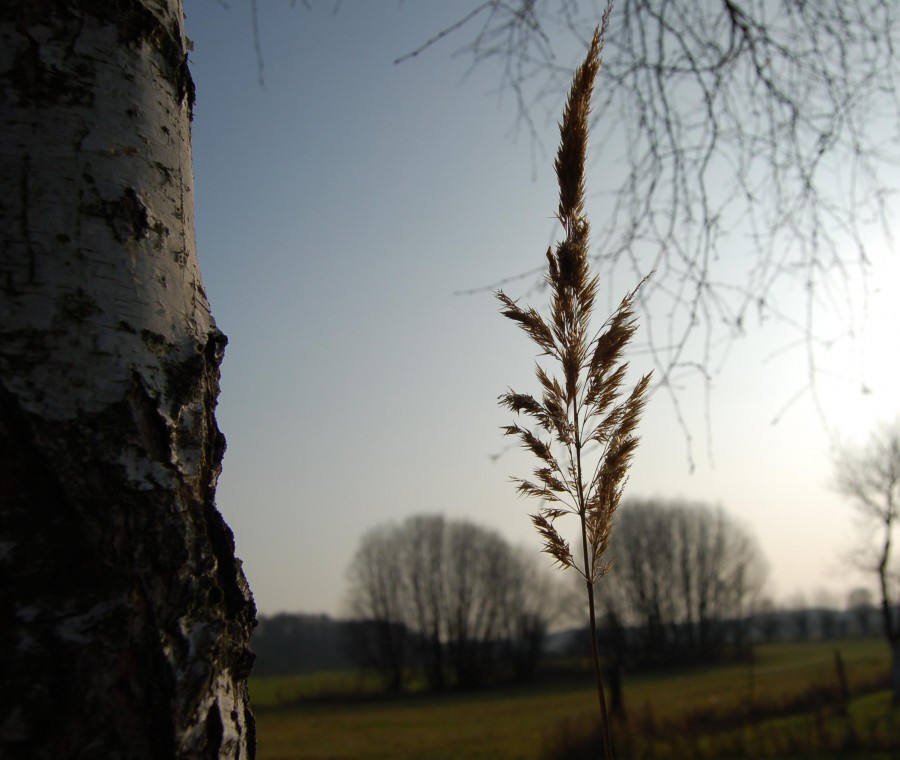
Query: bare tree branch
{"points": [[754, 136]]}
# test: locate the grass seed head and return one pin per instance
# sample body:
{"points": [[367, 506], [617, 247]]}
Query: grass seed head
{"points": [[580, 405]]}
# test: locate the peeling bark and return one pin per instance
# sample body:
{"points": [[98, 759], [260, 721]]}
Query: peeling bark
{"points": [[124, 615]]}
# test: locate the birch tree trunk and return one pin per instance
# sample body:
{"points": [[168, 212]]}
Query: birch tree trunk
{"points": [[124, 615]]}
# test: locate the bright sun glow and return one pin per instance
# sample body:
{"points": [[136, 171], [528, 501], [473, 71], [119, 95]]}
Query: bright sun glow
{"points": [[859, 388]]}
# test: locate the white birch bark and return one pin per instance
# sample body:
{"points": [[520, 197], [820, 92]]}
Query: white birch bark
{"points": [[124, 615]]}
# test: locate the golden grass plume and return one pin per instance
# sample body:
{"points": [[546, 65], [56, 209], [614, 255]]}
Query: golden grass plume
{"points": [[580, 408]]}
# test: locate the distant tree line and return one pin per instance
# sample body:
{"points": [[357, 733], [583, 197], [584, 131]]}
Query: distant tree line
{"points": [[797, 620], [447, 601], [303, 643], [300, 643], [456, 605]]}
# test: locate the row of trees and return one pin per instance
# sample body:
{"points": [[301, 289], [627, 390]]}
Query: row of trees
{"points": [[449, 599], [456, 603]]}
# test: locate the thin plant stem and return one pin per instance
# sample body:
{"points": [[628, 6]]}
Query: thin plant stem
{"points": [[595, 651]]}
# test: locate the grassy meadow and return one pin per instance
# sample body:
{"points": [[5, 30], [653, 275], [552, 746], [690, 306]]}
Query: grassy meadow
{"points": [[785, 704]]}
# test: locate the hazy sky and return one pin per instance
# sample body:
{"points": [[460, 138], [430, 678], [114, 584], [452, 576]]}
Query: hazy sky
{"points": [[340, 208]]}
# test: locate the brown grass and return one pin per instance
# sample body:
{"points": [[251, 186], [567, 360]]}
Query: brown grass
{"points": [[579, 407]]}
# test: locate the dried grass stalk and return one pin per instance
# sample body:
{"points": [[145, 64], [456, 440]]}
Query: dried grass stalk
{"points": [[580, 409]]}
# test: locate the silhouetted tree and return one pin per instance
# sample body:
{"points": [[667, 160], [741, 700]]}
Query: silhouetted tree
{"points": [[479, 576], [536, 600], [869, 476], [686, 575], [383, 643], [421, 577], [449, 598]]}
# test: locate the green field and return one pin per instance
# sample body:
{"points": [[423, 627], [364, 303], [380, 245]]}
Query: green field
{"points": [[696, 713]]}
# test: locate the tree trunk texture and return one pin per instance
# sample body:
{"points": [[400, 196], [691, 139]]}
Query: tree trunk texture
{"points": [[124, 615]]}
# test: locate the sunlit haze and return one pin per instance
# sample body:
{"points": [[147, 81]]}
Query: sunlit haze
{"points": [[343, 205]]}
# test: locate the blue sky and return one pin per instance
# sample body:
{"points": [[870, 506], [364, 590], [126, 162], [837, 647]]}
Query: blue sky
{"points": [[340, 209]]}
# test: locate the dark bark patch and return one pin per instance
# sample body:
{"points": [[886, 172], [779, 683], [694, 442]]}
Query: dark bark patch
{"points": [[222, 541], [182, 381], [154, 341], [214, 732], [162, 234], [25, 225], [152, 429], [127, 215], [79, 306], [164, 171], [37, 82], [215, 347], [134, 213], [184, 378], [243, 657], [184, 86], [250, 728], [23, 350]]}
